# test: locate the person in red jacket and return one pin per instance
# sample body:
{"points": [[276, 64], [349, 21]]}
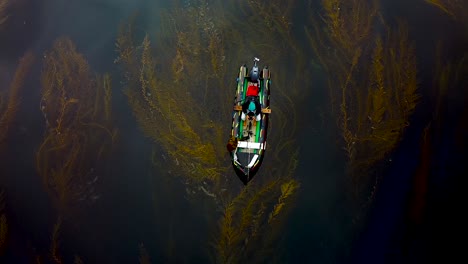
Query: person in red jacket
{"points": [[251, 106], [252, 90]]}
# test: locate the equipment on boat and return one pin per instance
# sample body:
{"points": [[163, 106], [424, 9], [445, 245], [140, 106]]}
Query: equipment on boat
{"points": [[250, 121]]}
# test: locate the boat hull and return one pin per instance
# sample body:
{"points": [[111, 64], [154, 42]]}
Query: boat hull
{"points": [[251, 133]]}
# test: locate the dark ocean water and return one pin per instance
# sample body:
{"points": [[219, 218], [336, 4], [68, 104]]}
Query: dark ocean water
{"points": [[320, 229]]}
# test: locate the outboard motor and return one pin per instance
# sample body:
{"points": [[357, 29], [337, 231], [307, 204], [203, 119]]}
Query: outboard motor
{"points": [[254, 73]]}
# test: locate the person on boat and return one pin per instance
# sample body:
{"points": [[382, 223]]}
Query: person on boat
{"points": [[251, 106], [252, 90]]}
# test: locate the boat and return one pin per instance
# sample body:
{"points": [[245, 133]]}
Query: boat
{"points": [[250, 116]]}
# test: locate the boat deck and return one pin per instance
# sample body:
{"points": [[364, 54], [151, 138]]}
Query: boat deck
{"points": [[249, 131]]}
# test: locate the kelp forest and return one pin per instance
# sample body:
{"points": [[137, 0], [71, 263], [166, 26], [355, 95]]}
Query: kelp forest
{"points": [[114, 119]]}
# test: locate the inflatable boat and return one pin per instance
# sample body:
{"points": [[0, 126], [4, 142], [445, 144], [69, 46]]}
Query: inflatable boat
{"points": [[250, 116]]}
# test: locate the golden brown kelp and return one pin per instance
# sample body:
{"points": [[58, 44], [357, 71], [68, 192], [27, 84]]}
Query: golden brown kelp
{"points": [[78, 136], [177, 90], [349, 23], [270, 18], [264, 29], [55, 242], [456, 9], [176, 107], [339, 41], [3, 11], [177, 96], [339, 35], [169, 103], [181, 94], [252, 220], [9, 107], [373, 83], [391, 99], [172, 122], [199, 64]]}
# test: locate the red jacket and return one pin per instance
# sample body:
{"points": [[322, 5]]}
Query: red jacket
{"points": [[252, 90]]}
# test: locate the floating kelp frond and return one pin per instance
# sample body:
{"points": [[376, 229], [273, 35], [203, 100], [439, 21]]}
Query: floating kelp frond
{"points": [[250, 222], [287, 189], [160, 105], [10, 107], [454, 8], [3, 11], [372, 83], [79, 136]]}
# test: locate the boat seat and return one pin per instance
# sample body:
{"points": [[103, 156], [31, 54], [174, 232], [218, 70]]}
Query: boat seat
{"points": [[249, 145]]}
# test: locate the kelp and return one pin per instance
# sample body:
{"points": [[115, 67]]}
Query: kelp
{"points": [[180, 92], [339, 36], [456, 9], [3, 11], [79, 136], [160, 115], [55, 242], [287, 189], [252, 220], [198, 50], [175, 90], [264, 28], [348, 24], [391, 98], [271, 20], [54, 255], [164, 119], [372, 84], [9, 106]]}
